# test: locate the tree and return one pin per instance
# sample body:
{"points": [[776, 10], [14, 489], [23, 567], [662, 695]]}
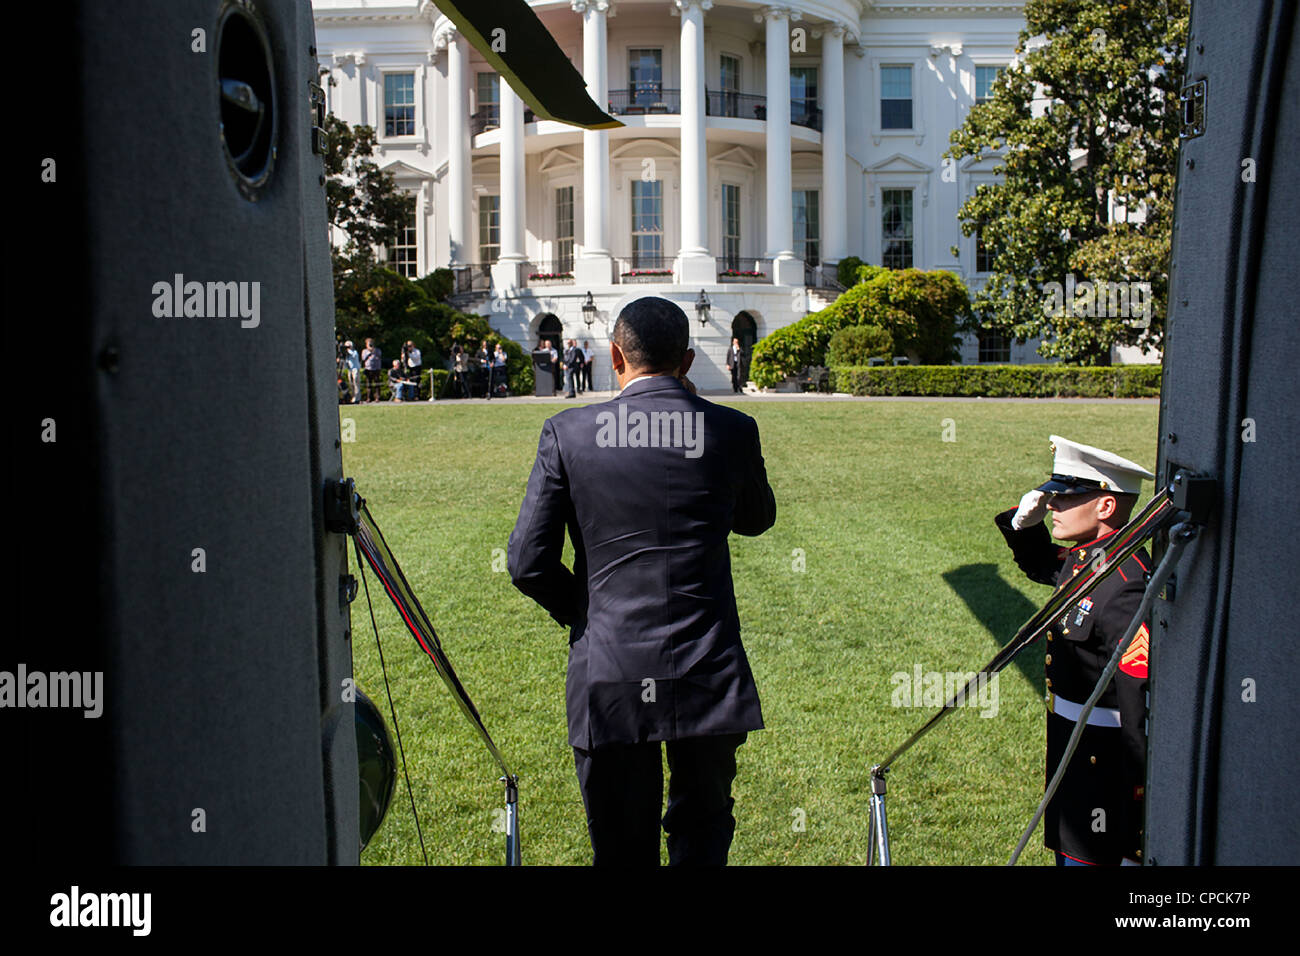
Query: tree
{"points": [[1110, 73], [361, 200]]}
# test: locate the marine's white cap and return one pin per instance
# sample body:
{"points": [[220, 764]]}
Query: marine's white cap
{"points": [[1077, 469]]}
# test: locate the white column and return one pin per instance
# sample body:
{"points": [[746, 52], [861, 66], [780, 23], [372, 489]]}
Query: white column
{"points": [[694, 263], [780, 215], [462, 247], [595, 266], [835, 241], [505, 273]]}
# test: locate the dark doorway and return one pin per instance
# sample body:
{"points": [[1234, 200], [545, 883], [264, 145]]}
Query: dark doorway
{"points": [[744, 327], [552, 329]]}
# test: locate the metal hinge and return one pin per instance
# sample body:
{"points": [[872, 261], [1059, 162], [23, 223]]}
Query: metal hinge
{"points": [[1192, 102], [318, 139]]}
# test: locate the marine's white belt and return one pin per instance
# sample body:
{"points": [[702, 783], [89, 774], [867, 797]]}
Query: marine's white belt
{"points": [[1100, 716]]}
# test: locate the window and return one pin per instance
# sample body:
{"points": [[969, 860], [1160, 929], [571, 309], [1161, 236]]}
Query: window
{"points": [[994, 347], [645, 76], [983, 255], [729, 85], [807, 228], [896, 228], [895, 97], [403, 258], [803, 94], [647, 223], [984, 77], [489, 228], [489, 100], [564, 229], [399, 104], [730, 226]]}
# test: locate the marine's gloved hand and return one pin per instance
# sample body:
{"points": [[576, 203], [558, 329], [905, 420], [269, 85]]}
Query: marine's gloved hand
{"points": [[1032, 510]]}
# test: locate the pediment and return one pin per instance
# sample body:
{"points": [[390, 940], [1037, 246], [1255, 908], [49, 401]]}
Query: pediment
{"points": [[899, 163]]}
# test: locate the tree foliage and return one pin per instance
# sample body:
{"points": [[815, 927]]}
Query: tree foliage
{"points": [[1109, 74], [361, 200]]}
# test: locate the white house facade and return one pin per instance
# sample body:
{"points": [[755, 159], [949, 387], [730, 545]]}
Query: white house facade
{"points": [[761, 144]]}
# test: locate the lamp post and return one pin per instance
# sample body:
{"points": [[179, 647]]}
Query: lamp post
{"points": [[702, 305]]}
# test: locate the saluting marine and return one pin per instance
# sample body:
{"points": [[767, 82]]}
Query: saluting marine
{"points": [[1096, 815]]}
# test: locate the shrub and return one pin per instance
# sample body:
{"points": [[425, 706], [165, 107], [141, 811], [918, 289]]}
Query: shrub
{"points": [[857, 344], [846, 271], [999, 381], [921, 311]]}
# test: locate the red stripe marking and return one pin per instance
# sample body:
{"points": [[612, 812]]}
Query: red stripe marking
{"points": [[374, 565]]}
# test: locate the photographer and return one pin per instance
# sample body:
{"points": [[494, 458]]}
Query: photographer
{"points": [[372, 360]]}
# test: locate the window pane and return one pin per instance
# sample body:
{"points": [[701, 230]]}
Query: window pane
{"points": [[564, 229], [730, 226], [647, 223], [730, 74], [489, 228], [399, 104], [896, 228], [984, 77], [645, 76], [895, 114], [896, 82]]}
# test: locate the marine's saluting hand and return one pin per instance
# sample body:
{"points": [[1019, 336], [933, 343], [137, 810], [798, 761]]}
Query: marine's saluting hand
{"points": [[1032, 510]]}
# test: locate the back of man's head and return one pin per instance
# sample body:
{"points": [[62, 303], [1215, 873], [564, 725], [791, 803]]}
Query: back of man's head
{"points": [[652, 333]]}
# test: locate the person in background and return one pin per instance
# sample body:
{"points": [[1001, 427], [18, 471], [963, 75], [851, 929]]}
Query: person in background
{"points": [[735, 360], [588, 356], [555, 366], [372, 361], [498, 369], [397, 382], [460, 370], [414, 363], [485, 364], [352, 365], [571, 368]]}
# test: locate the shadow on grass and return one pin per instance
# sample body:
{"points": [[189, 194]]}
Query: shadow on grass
{"points": [[1001, 609]]}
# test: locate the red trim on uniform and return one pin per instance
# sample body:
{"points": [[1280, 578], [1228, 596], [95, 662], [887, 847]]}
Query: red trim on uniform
{"points": [[1075, 858], [1122, 574], [1139, 561], [1088, 545]]}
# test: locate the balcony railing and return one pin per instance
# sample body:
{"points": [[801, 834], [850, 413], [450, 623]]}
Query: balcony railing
{"points": [[549, 272], [740, 105], [821, 277], [643, 101], [475, 277], [631, 269], [744, 269]]}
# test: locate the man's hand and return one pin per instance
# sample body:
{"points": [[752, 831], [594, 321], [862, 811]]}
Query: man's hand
{"points": [[1032, 510]]}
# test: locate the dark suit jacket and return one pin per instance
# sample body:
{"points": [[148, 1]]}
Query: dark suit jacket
{"points": [[654, 642]]}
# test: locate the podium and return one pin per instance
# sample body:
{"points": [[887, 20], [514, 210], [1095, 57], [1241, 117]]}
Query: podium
{"points": [[543, 373]]}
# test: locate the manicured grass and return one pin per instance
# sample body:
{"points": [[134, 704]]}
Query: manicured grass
{"points": [[902, 565]]}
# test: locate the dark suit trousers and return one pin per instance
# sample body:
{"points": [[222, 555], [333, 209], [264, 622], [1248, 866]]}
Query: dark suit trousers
{"points": [[623, 790]]}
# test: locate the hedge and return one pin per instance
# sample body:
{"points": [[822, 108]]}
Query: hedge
{"points": [[1000, 381]]}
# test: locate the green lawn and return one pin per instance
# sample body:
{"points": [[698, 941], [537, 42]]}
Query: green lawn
{"points": [[902, 566]]}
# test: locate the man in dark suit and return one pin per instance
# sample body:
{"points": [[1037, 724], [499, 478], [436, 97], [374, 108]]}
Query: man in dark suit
{"points": [[649, 485]]}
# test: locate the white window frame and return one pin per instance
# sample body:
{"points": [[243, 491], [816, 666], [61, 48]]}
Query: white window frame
{"points": [[917, 131], [904, 183], [415, 68]]}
